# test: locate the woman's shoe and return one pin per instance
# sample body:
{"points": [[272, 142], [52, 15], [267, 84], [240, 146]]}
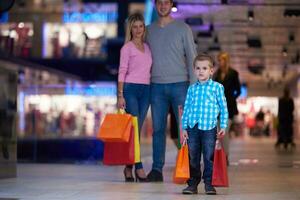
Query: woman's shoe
{"points": [[128, 178], [140, 179]]}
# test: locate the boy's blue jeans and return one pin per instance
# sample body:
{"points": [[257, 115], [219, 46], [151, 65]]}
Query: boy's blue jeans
{"points": [[201, 141], [162, 97], [137, 98]]}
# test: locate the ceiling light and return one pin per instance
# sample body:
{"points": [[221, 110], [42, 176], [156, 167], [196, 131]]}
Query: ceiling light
{"points": [[174, 8], [284, 51], [250, 15]]}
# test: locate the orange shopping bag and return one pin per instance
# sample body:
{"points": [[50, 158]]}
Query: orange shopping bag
{"points": [[182, 169], [219, 177], [115, 128]]}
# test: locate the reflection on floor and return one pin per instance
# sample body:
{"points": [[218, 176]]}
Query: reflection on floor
{"points": [[257, 172]]}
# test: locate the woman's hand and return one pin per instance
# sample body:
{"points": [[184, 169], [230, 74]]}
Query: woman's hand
{"points": [[121, 102], [221, 134]]}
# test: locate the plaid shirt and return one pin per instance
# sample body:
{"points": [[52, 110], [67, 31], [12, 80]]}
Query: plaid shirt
{"points": [[204, 102]]}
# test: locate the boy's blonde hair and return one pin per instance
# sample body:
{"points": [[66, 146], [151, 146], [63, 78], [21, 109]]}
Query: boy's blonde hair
{"points": [[130, 21], [203, 57]]}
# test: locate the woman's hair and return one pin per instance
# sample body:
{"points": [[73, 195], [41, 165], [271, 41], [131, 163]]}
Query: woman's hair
{"points": [[203, 57], [225, 56], [130, 21]]}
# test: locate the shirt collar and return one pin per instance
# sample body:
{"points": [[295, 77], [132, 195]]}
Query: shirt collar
{"points": [[204, 83]]}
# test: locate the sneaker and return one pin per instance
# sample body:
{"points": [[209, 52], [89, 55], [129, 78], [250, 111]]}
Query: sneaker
{"points": [[155, 176], [191, 189], [210, 190]]}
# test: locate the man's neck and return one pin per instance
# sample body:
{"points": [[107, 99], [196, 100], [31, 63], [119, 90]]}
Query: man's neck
{"points": [[163, 21]]}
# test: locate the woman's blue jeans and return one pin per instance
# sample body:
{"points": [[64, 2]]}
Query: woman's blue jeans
{"points": [[162, 96], [201, 141], [137, 98]]}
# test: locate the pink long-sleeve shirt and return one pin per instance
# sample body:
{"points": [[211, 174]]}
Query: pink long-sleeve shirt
{"points": [[135, 65]]}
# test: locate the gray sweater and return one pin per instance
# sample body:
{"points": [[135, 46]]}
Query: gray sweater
{"points": [[173, 51]]}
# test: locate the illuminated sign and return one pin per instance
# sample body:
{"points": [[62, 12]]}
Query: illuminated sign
{"points": [[90, 17], [3, 17], [93, 90], [91, 12]]}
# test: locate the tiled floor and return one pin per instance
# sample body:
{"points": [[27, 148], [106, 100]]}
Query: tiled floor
{"points": [[257, 172]]}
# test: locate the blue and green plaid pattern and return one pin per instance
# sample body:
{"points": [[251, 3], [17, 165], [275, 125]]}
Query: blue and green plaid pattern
{"points": [[204, 102]]}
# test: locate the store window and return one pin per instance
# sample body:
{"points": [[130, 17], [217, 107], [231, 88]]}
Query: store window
{"points": [[56, 111], [16, 38], [83, 33]]}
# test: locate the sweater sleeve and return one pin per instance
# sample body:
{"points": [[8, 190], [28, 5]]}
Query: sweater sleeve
{"points": [[124, 63], [190, 51]]}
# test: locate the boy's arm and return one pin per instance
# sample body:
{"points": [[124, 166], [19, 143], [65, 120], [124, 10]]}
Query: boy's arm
{"points": [[223, 108], [186, 108]]}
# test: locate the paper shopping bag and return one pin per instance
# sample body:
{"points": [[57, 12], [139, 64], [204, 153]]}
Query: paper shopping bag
{"points": [[220, 176], [137, 152], [120, 153], [182, 168], [115, 128]]}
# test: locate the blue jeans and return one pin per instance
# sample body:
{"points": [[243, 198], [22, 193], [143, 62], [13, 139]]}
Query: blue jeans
{"points": [[201, 141], [137, 98], [162, 96]]}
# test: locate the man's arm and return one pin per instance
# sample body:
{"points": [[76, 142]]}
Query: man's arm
{"points": [[190, 52]]}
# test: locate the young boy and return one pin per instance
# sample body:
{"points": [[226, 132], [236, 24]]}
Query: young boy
{"points": [[205, 102]]}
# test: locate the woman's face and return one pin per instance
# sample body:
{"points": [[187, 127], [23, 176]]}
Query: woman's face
{"points": [[137, 30], [222, 62]]}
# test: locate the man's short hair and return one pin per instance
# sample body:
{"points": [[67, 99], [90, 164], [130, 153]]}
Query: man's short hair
{"points": [[169, 0]]}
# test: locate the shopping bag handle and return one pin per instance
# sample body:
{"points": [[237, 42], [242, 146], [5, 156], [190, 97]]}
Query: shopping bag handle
{"points": [[184, 142], [219, 143], [121, 111]]}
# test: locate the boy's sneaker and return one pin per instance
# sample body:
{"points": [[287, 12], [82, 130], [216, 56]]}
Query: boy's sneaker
{"points": [[155, 176], [210, 190], [191, 189]]}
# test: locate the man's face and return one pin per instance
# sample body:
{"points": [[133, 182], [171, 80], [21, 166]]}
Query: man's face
{"points": [[163, 7]]}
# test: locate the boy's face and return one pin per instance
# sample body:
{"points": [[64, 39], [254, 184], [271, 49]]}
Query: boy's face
{"points": [[203, 70]]}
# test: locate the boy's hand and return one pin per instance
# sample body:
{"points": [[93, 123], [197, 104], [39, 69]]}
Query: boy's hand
{"points": [[185, 135], [221, 134]]}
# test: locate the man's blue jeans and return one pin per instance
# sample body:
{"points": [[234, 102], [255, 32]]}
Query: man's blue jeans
{"points": [[162, 96], [201, 142], [137, 98]]}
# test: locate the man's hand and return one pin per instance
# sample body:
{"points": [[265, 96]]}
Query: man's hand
{"points": [[221, 134]]}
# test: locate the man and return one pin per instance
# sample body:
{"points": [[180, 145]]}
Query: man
{"points": [[173, 51]]}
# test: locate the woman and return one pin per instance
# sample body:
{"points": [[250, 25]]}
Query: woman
{"points": [[229, 78], [134, 81]]}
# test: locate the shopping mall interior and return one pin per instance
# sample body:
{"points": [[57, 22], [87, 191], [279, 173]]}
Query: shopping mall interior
{"points": [[59, 63]]}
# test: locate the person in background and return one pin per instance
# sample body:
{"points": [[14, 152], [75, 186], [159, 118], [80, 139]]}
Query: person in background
{"points": [[205, 102], [285, 120], [229, 78], [134, 80], [173, 50]]}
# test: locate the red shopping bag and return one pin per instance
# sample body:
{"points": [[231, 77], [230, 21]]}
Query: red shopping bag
{"points": [[182, 169], [115, 128], [120, 153], [220, 176]]}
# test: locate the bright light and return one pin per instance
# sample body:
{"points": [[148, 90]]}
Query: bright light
{"points": [[174, 9], [21, 25]]}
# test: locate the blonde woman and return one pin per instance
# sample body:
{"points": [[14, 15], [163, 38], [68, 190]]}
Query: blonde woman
{"points": [[134, 81]]}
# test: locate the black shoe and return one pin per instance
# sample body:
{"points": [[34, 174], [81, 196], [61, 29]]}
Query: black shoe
{"points": [[191, 189], [210, 190], [155, 176], [128, 178], [140, 179]]}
